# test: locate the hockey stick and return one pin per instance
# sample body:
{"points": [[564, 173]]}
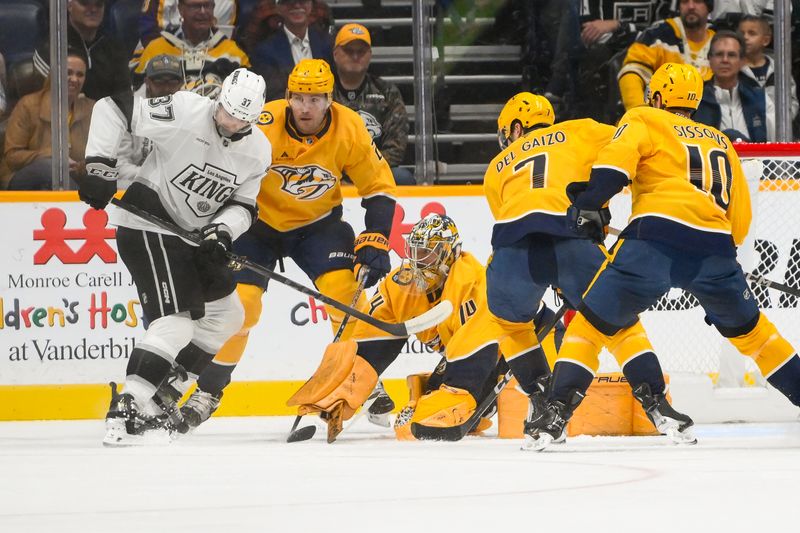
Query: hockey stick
{"points": [[749, 276], [305, 433], [426, 320], [764, 282], [455, 433]]}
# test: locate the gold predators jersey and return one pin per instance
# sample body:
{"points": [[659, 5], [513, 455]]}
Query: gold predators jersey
{"points": [[303, 184], [525, 184], [663, 42], [682, 172], [465, 288]]}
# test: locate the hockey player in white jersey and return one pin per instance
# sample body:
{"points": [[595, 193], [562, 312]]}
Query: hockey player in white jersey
{"points": [[204, 175]]}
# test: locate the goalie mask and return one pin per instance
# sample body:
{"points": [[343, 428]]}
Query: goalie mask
{"points": [[433, 245]]}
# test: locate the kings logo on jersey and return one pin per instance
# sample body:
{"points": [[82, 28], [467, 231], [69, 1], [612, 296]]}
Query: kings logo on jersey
{"points": [[205, 189], [307, 182]]}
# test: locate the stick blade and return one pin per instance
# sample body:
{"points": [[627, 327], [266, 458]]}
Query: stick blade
{"points": [[434, 316], [450, 434], [304, 433]]}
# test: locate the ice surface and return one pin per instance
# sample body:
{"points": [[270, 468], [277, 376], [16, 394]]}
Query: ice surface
{"points": [[238, 474]]}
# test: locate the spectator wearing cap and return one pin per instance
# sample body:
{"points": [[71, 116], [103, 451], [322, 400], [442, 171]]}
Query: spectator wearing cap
{"points": [[207, 55], [107, 72], [297, 39], [733, 102], [28, 146], [162, 77], [379, 102]]}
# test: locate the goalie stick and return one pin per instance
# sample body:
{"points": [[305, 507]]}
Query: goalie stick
{"points": [[455, 433], [305, 433], [426, 320]]}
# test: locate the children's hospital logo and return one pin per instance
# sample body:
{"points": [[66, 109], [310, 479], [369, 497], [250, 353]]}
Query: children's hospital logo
{"points": [[85, 243]]}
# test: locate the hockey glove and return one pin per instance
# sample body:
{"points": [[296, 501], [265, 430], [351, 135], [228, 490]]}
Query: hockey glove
{"points": [[217, 242], [372, 250], [589, 224], [99, 185]]}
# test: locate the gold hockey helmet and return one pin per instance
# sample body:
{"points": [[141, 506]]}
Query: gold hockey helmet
{"points": [[310, 76], [527, 108], [679, 86]]}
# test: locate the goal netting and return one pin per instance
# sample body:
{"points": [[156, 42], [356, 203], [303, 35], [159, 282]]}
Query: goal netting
{"points": [[683, 341]]}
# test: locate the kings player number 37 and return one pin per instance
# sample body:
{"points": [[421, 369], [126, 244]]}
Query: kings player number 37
{"points": [[204, 175]]}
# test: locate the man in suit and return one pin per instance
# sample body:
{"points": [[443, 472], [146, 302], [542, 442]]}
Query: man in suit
{"points": [[276, 57]]}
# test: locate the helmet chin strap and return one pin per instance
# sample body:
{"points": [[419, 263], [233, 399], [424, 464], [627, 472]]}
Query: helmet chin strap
{"points": [[233, 137]]}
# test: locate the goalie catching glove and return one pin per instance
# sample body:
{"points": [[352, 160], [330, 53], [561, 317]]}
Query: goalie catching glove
{"points": [[587, 223], [372, 250], [99, 184]]}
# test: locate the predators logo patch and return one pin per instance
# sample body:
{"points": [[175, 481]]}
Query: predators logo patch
{"points": [[307, 182], [265, 118]]}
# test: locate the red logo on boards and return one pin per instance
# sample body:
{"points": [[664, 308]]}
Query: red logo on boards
{"points": [[400, 229], [55, 235]]}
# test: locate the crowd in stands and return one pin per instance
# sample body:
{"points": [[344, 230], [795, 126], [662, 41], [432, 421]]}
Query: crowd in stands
{"points": [[590, 58]]}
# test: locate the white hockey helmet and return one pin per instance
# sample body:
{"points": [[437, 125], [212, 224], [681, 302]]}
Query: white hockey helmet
{"points": [[243, 94]]}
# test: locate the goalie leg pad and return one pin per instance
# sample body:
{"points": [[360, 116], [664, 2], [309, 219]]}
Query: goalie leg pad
{"points": [[342, 375], [443, 408], [765, 345]]}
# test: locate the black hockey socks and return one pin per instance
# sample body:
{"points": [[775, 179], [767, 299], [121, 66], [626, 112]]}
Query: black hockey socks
{"points": [[787, 379], [528, 368], [215, 377], [567, 378], [148, 366], [193, 359], [645, 368]]}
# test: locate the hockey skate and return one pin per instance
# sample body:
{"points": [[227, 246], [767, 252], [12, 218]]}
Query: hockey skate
{"points": [[127, 426], [549, 425], [199, 408], [378, 412], [167, 397], [668, 421]]}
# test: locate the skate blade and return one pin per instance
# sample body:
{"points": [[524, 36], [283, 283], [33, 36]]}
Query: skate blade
{"points": [[380, 420], [685, 438], [537, 444], [119, 438]]}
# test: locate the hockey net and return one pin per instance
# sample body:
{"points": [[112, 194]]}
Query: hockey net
{"points": [[683, 341]]}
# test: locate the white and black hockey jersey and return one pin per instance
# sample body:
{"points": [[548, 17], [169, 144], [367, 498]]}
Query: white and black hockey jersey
{"points": [[192, 172]]}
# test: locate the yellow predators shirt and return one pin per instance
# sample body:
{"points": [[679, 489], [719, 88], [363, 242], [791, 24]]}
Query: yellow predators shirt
{"points": [[663, 42], [303, 183], [525, 184], [465, 288], [687, 181]]}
